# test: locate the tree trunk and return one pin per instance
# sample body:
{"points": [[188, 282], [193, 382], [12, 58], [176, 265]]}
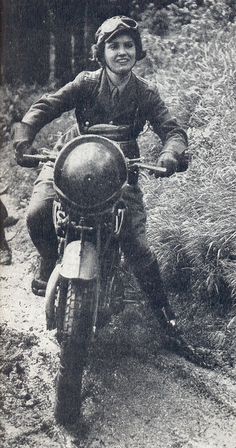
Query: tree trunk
{"points": [[79, 56], [35, 42], [63, 53], [26, 41], [62, 18], [9, 42]]}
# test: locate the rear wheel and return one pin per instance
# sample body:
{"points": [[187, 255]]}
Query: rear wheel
{"points": [[76, 335]]}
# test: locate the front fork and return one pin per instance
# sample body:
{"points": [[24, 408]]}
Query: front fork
{"points": [[79, 262], [83, 260]]}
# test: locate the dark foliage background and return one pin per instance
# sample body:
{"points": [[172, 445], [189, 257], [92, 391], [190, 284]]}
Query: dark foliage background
{"points": [[44, 39], [33, 30]]}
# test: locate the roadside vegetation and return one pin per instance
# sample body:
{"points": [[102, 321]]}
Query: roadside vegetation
{"points": [[193, 226]]}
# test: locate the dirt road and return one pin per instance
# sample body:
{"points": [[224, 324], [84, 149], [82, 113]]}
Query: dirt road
{"points": [[136, 394]]}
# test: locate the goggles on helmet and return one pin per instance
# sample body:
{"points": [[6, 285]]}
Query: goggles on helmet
{"points": [[112, 25]]}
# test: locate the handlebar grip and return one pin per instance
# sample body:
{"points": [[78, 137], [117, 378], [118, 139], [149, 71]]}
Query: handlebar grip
{"points": [[32, 160], [28, 161]]}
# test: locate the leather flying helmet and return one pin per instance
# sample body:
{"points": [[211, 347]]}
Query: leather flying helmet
{"points": [[113, 27]]}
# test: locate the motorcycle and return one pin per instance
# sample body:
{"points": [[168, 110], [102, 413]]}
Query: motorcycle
{"points": [[85, 287]]}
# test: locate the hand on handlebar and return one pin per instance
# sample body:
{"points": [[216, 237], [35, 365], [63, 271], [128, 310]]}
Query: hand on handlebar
{"points": [[158, 171], [167, 160], [22, 149]]}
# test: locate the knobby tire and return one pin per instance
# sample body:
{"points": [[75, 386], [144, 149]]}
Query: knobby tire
{"points": [[77, 330]]}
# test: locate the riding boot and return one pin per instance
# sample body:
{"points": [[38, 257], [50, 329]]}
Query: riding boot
{"points": [[42, 274], [151, 283]]}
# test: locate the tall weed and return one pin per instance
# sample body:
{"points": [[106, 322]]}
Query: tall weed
{"points": [[192, 224]]}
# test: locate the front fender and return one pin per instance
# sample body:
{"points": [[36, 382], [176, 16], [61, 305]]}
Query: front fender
{"points": [[79, 261]]}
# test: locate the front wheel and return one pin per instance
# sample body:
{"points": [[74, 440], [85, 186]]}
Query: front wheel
{"points": [[77, 330]]}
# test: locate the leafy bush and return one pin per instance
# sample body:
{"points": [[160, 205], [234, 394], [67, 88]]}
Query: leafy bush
{"points": [[202, 16], [14, 104], [157, 20]]}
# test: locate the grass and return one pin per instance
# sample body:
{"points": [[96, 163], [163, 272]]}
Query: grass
{"points": [[192, 222]]}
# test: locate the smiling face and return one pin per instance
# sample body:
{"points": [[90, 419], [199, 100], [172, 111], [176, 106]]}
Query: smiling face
{"points": [[120, 54]]}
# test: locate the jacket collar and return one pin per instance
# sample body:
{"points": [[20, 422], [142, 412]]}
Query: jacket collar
{"points": [[128, 96]]}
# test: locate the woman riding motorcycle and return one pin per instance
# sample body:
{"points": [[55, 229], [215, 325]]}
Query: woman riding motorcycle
{"points": [[113, 96]]}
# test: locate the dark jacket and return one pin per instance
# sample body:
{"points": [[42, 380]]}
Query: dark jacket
{"points": [[89, 94]]}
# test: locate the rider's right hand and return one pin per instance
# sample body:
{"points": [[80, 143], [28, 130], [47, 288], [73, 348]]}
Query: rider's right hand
{"points": [[21, 148], [23, 136], [24, 148]]}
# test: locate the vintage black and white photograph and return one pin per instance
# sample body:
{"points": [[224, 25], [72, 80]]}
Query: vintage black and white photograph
{"points": [[118, 224]]}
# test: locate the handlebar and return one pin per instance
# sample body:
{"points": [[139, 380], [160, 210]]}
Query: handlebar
{"points": [[151, 168], [39, 158], [32, 159]]}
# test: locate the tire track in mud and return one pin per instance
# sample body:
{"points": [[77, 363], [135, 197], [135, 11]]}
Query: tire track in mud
{"points": [[215, 384]]}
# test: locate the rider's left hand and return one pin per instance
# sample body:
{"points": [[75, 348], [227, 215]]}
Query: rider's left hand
{"points": [[168, 160]]}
